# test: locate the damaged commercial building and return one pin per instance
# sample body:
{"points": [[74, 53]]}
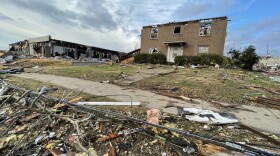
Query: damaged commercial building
{"points": [[45, 46], [189, 38]]}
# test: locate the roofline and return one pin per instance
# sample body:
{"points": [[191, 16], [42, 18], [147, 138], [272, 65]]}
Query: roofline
{"points": [[69, 42], [191, 21], [88, 46]]}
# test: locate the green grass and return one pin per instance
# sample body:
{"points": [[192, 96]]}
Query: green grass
{"points": [[101, 72]]}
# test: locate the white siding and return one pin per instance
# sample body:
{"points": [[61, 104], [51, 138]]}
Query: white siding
{"points": [[39, 39], [31, 50]]}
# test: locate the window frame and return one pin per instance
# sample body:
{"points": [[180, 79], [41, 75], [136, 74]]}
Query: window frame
{"points": [[177, 27], [200, 24], [153, 33], [201, 53], [153, 48]]}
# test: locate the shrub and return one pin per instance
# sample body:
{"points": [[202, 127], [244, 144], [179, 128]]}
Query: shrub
{"points": [[141, 58], [249, 58], [235, 56], [157, 59], [216, 59], [193, 60], [150, 58], [180, 60], [227, 63], [205, 59], [245, 59]]}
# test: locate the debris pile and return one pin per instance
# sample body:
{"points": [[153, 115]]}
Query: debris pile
{"points": [[32, 123], [269, 65]]}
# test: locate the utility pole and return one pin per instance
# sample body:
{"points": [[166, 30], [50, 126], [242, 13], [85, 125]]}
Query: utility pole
{"points": [[267, 52]]}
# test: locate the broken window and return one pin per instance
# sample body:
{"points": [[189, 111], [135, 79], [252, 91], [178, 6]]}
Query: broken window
{"points": [[154, 33], [205, 29], [177, 30], [203, 50], [153, 50]]}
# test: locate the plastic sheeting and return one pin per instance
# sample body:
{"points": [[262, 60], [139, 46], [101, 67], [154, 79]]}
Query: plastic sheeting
{"points": [[207, 116]]}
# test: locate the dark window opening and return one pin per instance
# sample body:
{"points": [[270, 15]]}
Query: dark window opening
{"points": [[177, 30]]}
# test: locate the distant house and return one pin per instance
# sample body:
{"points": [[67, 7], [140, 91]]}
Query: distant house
{"points": [[46, 46], [190, 38]]}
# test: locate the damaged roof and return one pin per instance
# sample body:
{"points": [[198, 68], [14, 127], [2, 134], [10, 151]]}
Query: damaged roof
{"points": [[191, 21]]}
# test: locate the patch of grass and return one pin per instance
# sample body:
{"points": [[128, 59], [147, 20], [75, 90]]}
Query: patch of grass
{"points": [[261, 82], [101, 72], [186, 83], [44, 62], [227, 85]]}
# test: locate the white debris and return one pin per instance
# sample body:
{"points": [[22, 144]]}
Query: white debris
{"points": [[109, 103], [38, 139], [208, 116]]}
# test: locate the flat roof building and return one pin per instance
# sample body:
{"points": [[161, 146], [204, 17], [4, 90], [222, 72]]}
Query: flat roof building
{"points": [[46, 46]]}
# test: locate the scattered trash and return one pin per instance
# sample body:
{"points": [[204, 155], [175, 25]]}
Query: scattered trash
{"points": [[207, 116], [121, 133], [193, 66], [231, 127], [268, 138], [12, 71], [275, 78], [160, 139], [36, 125], [107, 81], [153, 116], [206, 127], [128, 60], [38, 139], [275, 102], [274, 137], [125, 146]]}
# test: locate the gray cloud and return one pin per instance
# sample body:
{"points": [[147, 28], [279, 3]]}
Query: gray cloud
{"points": [[96, 18], [5, 17], [202, 9]]}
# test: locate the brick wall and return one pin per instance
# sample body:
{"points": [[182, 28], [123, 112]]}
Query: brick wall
{"points": [[190, 34]]}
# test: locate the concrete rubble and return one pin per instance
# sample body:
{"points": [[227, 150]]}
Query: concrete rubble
{"points": [[269, 64]]}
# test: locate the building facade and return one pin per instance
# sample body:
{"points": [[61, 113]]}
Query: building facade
{"points": [[190, 38], [46, 46]]}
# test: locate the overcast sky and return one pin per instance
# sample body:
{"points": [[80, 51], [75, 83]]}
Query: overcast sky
{"points": [[116, 24]]}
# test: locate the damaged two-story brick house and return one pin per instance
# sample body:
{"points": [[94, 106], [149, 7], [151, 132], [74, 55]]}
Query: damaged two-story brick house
{"points": [[190, 38]]}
